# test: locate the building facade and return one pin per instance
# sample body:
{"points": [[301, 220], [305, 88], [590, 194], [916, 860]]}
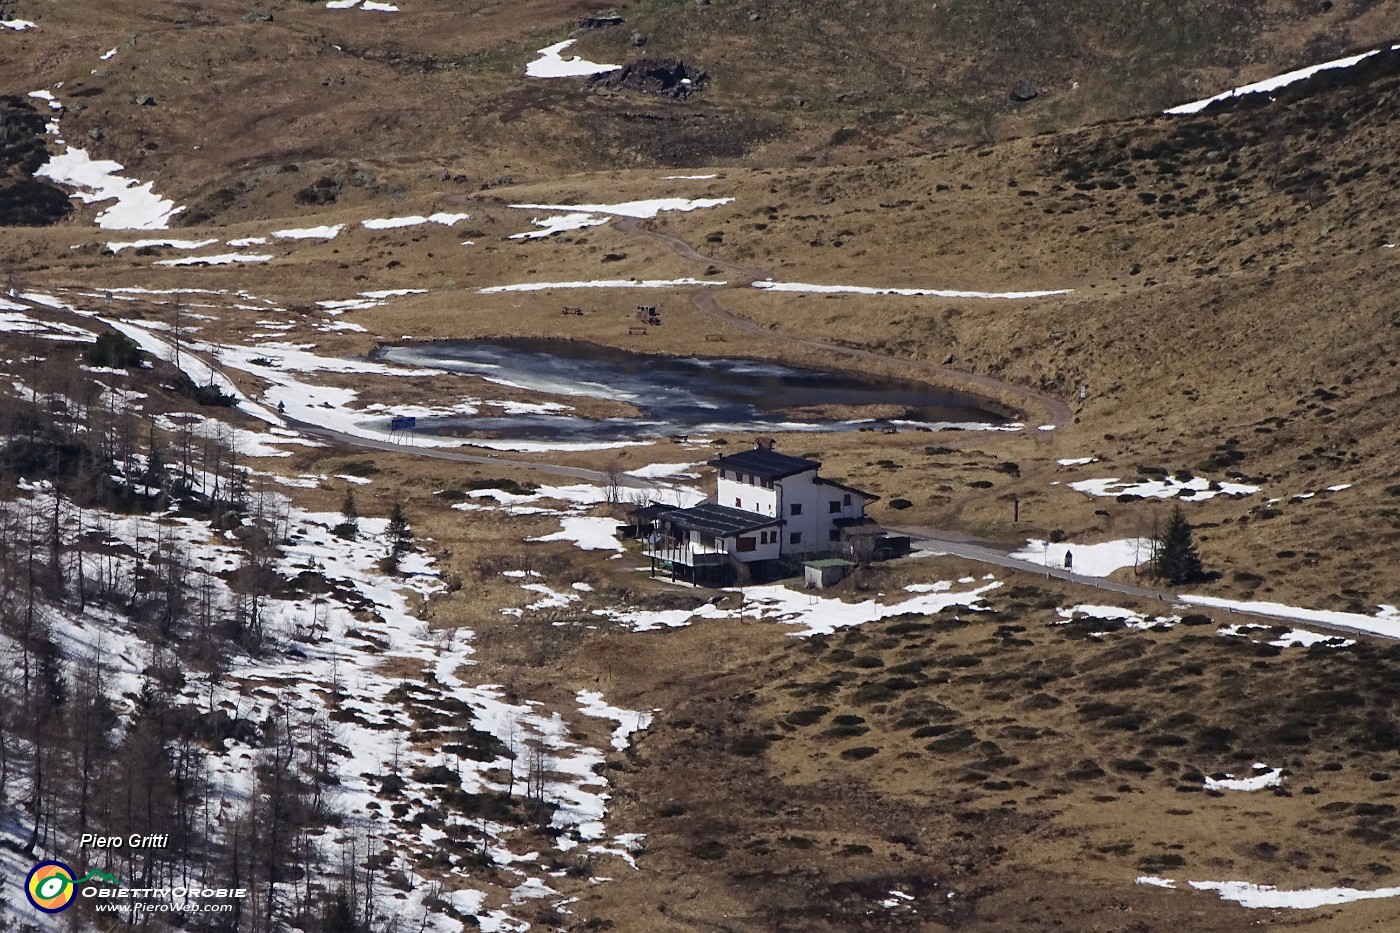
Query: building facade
{"points": [[769, 509]]}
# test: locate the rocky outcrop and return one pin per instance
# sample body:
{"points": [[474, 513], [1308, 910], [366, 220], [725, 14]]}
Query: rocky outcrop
{"points": [[660, 77]]}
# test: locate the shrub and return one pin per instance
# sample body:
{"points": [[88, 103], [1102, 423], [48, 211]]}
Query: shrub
{"points": [[1086, 770], [113, 350], [847, 731], [201, 394], [1215, 738], [749, 745], [808, 716], [710, 850], [873, 693], [859, 753], [953, 743], [928, 732], [1160, 862]]}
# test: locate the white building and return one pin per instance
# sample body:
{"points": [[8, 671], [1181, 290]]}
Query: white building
{"points": [[768, 508]]}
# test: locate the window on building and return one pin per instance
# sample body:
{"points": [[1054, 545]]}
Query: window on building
{"points": [[846, 499], [795, 538], [834, 535], [834, 506], [797, 508], [746, 544]]}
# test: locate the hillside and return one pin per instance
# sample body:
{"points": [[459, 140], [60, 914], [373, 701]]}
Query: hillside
{"points": [[290, 577]]}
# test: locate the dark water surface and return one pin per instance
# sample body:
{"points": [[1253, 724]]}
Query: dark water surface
{"points": [[674, 395]]}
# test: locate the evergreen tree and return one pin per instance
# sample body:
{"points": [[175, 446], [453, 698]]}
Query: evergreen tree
{"points": [[350, 528], [1177, 559], [401, 538]]}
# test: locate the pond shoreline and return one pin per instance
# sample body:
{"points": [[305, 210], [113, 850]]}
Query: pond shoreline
{"points": [[690, 393]]}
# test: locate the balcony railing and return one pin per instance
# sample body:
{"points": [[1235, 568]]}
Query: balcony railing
{"points": [[691, 555]]}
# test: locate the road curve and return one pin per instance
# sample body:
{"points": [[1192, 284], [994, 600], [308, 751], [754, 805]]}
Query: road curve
{"points": [[1043, 409]]}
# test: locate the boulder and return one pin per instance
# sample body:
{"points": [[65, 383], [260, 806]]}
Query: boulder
{"points": [[601, 20], [1024, 91]]}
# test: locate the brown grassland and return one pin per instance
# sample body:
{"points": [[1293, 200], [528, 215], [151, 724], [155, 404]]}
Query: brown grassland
{"points": [[1232, 313]]}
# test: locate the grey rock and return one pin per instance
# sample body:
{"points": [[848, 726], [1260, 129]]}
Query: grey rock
{"points": [[257, 16], [1024, 91], [638, 40]]}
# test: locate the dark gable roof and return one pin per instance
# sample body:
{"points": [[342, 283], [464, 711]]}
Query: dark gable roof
{"points": [[868, 496], [719, 520], [650, 512], [765, 464]]}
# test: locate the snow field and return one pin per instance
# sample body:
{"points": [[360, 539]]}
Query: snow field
{"points": [[1090, 560], [1274, 83]]}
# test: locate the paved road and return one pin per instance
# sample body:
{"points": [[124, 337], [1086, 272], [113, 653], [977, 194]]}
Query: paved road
{"points": [[928, 539], [959, 545]]}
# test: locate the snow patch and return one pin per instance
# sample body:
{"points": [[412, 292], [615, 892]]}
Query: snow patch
{"points": [[1196, 489], [328, 232], [551, 65], [597, 283], [223, 259], [1267, 777], [137, 207], [770, 285]]}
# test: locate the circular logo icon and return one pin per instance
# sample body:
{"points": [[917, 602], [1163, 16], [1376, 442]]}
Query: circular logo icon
{"points": [[50, 887]]}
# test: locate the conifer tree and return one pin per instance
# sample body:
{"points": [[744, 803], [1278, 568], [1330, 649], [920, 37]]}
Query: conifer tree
{"points": [[400, 539], [1177, 559], [350, 528]]}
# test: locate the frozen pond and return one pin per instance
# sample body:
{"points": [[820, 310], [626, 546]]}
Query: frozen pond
{"points": [[679, 395]]}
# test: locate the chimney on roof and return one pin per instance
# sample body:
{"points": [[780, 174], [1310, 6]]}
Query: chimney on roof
{"points": [[764, 443]]}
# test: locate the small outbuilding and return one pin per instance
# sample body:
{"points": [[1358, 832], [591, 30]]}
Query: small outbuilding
{"points": [[819, 574]]}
